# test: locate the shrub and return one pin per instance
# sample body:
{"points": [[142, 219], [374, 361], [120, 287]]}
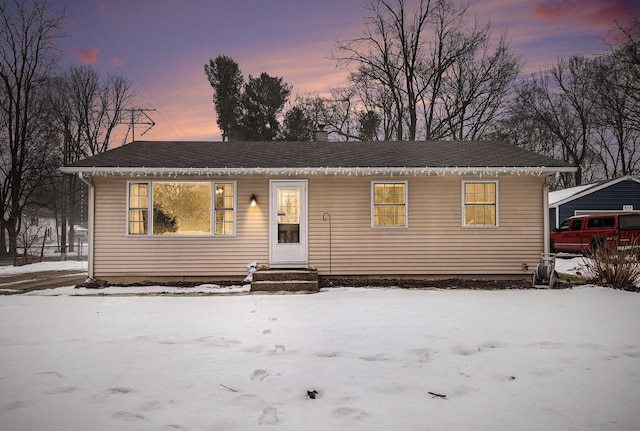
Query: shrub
{"points": [[617, 268]]}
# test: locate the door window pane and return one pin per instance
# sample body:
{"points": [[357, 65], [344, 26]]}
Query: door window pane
{"points": [[288, 215]]}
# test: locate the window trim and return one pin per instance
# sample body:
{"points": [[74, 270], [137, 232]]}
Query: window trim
{"points": [[464, 204], [406, 203], [234, 208], [212, 209], [128, 209]]}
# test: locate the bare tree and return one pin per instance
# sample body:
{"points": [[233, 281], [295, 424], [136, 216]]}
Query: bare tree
{"points": [[560, 100], [95, 106], [476, 88], [336, 113], [617, 133], [427, 60], [27, 57], [390, 52], [86, 108], [453, 41]]}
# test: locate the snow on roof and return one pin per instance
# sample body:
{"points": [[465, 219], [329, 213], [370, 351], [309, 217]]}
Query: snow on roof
{"points": [[560, 195]]}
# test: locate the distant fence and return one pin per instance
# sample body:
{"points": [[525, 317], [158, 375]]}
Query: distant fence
{"points": [[50, 252]]}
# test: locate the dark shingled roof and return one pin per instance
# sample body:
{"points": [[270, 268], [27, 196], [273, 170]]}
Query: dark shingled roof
{"points": [[324, 154]]}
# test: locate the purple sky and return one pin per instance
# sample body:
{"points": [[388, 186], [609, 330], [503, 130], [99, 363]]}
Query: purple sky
{"points": [[162, 45]]}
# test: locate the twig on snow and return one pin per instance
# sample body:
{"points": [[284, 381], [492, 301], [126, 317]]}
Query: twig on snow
{"points": [[227, 387]]}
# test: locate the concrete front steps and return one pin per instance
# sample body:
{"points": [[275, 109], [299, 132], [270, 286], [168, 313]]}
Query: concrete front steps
{"points": [[288, 280]]}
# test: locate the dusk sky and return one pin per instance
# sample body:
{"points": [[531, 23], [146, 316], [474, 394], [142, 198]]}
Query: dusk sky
{"points": [[161, 46]]}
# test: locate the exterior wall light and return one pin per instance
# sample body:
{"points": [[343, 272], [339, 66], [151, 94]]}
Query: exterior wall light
{"points": [[253, 200]]}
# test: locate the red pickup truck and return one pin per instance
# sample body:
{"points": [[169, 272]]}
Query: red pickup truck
{"points": [[584, 234]]}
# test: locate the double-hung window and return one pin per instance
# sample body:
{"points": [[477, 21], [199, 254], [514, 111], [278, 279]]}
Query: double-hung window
{"points": [[138, 216], [480, 203], [224, 209], [389, 203], [181, 208]]}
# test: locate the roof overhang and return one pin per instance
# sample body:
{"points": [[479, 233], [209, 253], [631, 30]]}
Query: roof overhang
{"points": [[315, 171]]}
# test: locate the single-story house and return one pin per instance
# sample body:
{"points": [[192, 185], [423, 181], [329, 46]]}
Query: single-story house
{"points": [[606, 197], [204, 210]]}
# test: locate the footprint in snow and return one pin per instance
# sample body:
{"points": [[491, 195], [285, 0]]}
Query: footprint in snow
{"points": [[349, 413], [259, 374], [61, 390], [375, 358], [13, 405], [329, 354], [632, 351], [218, 341], [128, 416], [269, 416], [173, 427], [119, 391]]}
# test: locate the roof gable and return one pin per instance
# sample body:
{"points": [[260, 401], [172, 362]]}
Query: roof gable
{"points": [[561, 197], [253, 157]]}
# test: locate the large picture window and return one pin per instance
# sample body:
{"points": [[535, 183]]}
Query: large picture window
{"points": [[181, 208], [389, 204], [480, 203]]}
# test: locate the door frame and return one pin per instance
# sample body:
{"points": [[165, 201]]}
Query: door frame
{"points": [[302, 253]]}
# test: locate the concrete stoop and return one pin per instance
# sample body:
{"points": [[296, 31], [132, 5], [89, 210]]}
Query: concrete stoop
{"points": [[288, 280]]}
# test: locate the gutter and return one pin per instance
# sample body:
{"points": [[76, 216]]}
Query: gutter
{"points": [[317, 171], [545, 217], [91, 224]]}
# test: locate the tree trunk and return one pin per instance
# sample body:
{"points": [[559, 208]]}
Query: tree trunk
{"points": [[12, 232], [3, 241]]}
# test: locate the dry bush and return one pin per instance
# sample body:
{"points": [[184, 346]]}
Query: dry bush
{"points": [[617, 268]]}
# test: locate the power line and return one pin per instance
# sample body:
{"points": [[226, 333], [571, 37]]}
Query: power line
{"points": [[181, 133]]}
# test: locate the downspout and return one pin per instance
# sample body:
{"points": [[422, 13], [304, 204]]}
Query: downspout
{"points": [[545, 215], [91, 219]]}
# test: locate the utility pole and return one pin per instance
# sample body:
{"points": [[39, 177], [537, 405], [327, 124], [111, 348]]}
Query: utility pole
{"points": [[65, 160], [138, 116]]}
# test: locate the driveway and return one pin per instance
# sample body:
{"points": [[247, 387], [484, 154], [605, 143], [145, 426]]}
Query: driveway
{"points": [[20, 283]]}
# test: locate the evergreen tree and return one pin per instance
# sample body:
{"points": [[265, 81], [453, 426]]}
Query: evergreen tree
{"points": [[297, 126], [262, 102], [226, 79]]}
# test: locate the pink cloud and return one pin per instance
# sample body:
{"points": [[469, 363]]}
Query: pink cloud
{"points": [[102, 7], [116, 62], [87, 56], [589, 13]]}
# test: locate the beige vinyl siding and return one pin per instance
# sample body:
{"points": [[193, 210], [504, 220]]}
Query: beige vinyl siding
{"points": [[154, 257], [435, 242]]}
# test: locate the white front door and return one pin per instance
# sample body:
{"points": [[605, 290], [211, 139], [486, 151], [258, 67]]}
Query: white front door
{"points": [[288, 224]]}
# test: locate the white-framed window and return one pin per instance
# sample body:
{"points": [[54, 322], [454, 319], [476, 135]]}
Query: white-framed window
{"points": [[224, 208], [480, 203], [388, 204], [181, 208], [138, 208]]}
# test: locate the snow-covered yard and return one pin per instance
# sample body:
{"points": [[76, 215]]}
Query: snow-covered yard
{"points": [[519, 360]]}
